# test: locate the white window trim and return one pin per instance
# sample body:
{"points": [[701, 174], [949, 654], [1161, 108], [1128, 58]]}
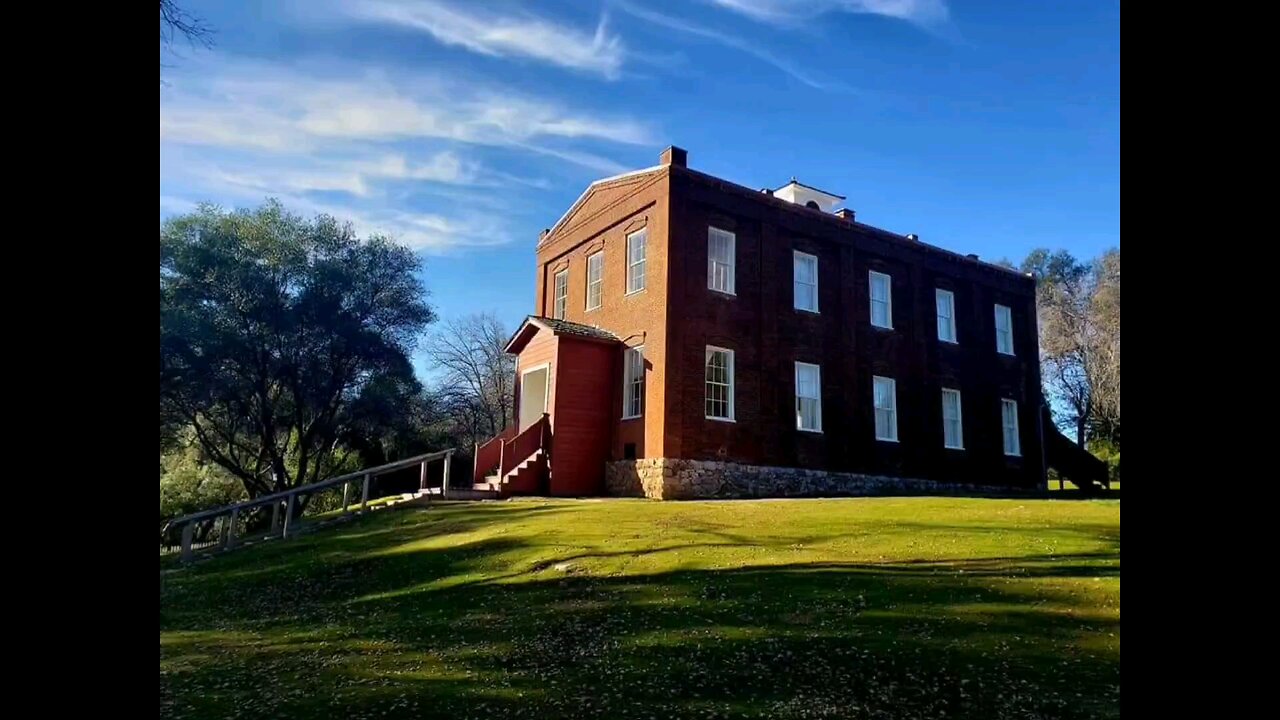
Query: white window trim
{"points": [[644, 231], [733, 262], [732, 383], [871, 294], [557, 311], [1009, 313], [893, 384], [1017, 434], [955, 329], [818, 372], [794, 298], [626, 382], [959, 418], [600, 282]]}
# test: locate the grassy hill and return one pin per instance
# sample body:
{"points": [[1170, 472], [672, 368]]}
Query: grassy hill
{"points": [[849, 608]]}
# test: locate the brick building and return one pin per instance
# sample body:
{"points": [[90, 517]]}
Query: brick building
{"points": [[694, 337]]}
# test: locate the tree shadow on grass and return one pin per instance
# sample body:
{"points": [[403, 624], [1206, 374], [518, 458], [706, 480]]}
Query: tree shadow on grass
{"points": [[422, 634]]}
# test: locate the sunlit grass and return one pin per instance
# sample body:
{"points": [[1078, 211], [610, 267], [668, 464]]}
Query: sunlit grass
{"points": [[875, 607]]}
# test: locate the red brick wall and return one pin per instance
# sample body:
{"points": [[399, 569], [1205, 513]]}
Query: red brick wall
{"points": [[769, 335], [608, 215]]}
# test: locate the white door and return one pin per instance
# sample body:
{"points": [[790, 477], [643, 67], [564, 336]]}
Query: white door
{"points": [[533, 395]]}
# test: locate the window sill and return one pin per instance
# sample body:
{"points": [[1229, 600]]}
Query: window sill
{"points": [[807, 310], [1006, 354], [634, 292], [632, 417], [727, 293], [952, 343], [808, 430], [593, 309], [953, 447], [1016, 456], [892, 440], [882, 327], [721, 419]]}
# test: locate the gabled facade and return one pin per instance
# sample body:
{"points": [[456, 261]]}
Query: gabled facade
{"points": [[693, 337]]}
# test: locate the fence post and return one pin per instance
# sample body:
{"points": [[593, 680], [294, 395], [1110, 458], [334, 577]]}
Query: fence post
{"points": [[231, 527], [288, 513], [346, 495], [444, 479], [364, 495], [422, 477], [275, 516], [187, 530]]}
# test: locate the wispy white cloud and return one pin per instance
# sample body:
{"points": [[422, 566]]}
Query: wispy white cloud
{"points": [[368, 146], [732, 41], [930, 14], [357, 176], [430, 232], [520, 35], [274, 107]]}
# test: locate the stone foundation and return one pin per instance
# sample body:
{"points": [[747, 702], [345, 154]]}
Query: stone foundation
{"points": [[674, 479]]}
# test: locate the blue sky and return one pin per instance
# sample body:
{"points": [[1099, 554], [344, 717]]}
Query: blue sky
{"points": [[464, 128]]}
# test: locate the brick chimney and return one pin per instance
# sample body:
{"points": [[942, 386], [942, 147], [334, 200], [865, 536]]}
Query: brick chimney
{"points": [[674, 156]]}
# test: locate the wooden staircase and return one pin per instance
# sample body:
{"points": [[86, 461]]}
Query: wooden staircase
{"points": [[515, 463]]}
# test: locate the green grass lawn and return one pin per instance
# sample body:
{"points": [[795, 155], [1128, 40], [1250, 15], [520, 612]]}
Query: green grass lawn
{"points": [[849, 608]]}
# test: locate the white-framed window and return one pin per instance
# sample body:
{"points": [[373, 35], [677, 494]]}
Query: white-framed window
{"points": [[595, 279], [721, 251], [952, 425], [1004, 330], [561, 294], [946, 302], [719, 392], [633, 383], [808, 397], [881, 300], [636, 260], [885, 392], [806, 281], [1009, 420]]}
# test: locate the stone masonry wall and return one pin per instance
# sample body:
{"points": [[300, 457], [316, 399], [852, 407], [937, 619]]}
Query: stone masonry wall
{"points": [[675, 479]]}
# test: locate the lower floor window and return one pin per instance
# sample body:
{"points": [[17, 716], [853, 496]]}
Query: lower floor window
{"points": [[633, 383], [719, 383], [886, 403], [1009, 419], [952, 427], [808, 397]]}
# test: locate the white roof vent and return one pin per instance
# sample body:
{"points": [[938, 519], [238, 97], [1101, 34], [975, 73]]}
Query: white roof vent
{"points": [[808, 196]]}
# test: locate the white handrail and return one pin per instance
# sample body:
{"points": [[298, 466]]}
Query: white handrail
{"points": [[187, 522]]}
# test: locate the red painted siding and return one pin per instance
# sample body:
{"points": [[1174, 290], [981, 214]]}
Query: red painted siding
{"points": [[581, 421]]}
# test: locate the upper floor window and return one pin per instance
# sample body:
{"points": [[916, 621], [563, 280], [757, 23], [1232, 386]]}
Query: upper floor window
{"points": [[808, 397], [1009, 420], [1004, 329], [881, 300], [885, 399], [952, 426], [806, 281], [719, 391], [561, 294], [946, 302], [595, 279], [720, 260], [633, 383], [636, 260]]}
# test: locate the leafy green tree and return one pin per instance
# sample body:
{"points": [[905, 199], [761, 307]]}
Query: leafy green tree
{"points": [[284, 339]]}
